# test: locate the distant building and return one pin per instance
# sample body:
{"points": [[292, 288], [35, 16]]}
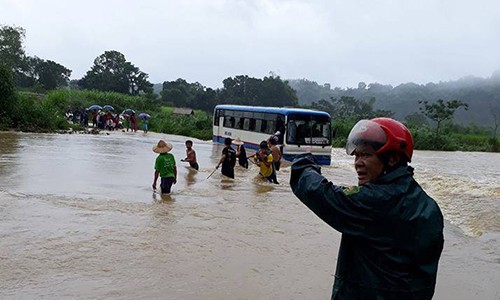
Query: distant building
{"points": [[183, 111], [327, 85]]}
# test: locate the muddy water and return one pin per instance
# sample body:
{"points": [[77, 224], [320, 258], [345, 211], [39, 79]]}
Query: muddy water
{"points": [[79, 220]]}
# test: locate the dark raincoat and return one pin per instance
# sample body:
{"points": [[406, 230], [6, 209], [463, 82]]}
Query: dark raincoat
{"points": [[392, 232]]}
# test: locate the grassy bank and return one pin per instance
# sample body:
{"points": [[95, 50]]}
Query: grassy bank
{"points": [[45, 112]]}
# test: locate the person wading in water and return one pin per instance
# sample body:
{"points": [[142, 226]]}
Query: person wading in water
{"points": [[164, 167], [264, 159], [191, 156], [241, 153], [228, 159]]}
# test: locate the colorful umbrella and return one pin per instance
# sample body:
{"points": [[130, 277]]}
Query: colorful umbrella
{"points": [[95, 107], [128, 111], [144, 115]]}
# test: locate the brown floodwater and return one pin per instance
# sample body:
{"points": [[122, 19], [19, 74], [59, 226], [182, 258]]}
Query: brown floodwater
{"points": [[79, 220]]}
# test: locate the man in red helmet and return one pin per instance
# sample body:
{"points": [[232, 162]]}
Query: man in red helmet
{"points": [[392, 231]]}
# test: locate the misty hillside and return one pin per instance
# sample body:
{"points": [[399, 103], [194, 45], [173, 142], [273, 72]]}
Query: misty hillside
{"points": [[157, 87], [480, 93]]}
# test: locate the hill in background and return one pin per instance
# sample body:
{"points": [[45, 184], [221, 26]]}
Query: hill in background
{"points": [[482, 94]]}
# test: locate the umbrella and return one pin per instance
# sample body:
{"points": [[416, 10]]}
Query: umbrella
{"points": [[128, 111], [108, 107], [144, 115], [95, 107]]}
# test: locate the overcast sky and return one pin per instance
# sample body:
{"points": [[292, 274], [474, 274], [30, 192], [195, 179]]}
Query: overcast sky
{"points": [[341, 42]]}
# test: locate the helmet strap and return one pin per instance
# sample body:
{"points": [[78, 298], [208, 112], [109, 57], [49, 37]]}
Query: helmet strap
{"points": [[392, 160]]}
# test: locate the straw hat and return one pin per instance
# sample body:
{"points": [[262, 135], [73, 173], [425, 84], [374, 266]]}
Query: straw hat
{"points": [[237, 141], [162, 147]]}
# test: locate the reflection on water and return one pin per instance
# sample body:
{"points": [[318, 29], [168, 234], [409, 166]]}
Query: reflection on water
{"points": [[80, 221], [190, 176], [8, 146]]}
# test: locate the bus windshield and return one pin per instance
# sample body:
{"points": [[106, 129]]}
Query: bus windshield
{"points": [[308, 130]]}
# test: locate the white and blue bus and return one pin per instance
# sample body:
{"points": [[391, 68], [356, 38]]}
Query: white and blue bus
{"points": [[300, 129]]}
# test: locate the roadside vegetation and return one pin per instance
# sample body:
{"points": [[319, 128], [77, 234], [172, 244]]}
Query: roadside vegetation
{"points": [[33, 112]]}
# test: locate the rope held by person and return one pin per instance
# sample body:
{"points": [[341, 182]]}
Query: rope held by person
{"points": [[213, 172]]}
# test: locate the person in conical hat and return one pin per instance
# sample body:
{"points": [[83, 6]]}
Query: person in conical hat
{"points": [[165, 167]]}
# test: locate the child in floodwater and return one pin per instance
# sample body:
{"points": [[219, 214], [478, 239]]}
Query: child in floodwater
{"points": [[191, 156]]}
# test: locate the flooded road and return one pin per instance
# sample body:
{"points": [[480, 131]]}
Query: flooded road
{"points": [[79, 220]]}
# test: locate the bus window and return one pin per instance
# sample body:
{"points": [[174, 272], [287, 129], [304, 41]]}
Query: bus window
{"points": [[229, 122], [270, 127], [246, 124], [317, 130], [251, 126], [280, 126], [302, 132], [291, 132], [308, 130], [239, 124], [264, 126], [216, 117], [258, 125]]}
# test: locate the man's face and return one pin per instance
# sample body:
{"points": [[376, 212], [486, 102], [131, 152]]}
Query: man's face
{"points": [[367, 164], [188, 146]]}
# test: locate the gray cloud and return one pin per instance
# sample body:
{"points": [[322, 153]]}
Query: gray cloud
{"points": [[340, 42]]}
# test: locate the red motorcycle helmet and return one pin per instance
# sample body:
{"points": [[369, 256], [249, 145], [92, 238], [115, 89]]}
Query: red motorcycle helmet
{"points": [[384, 134]]}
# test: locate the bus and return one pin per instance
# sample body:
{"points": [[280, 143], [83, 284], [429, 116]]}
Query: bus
{"points": [[301, 130]]}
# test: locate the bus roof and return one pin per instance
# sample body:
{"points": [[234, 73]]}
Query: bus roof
{"points": [[278, 110]]}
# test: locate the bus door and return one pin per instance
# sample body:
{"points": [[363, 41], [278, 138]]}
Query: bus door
{"points": [[218, 124]]}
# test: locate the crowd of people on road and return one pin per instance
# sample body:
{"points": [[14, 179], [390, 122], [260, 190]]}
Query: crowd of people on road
{"points": [[106, 119]]}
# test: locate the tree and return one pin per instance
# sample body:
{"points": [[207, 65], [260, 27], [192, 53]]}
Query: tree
{"points": [[112, 72], [361, 85], [345, 112], [29, 72], [11, 47], [180, 93], [52, 75], [12, 53], [245, 90], [276, 92], [206, 100], [8, 98], [441, 110], [349, 108], [43, 74], [495, 111], [416, 120]]}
